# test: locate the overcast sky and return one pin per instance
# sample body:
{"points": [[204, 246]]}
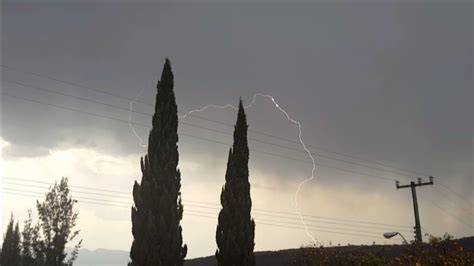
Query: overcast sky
{"points": [[385, 83]]}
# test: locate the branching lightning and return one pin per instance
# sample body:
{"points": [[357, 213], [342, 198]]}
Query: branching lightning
{"points": [[288, 117], [207, 107]]}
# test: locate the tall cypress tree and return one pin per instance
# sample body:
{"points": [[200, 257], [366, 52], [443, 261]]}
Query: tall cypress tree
{"points": [[236, 229], [158, 210], [11, 245]]}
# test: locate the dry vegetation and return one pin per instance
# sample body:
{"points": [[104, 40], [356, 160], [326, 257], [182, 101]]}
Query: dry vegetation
{"points": [[439, 251]]}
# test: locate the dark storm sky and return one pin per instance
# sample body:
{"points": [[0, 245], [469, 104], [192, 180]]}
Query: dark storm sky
{"points": [[388, 82]]}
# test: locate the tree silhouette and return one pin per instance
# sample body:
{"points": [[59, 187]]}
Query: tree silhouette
{"points": [[57, 219], [31, 244], [158, 210], [11, 245], [236, 229]]}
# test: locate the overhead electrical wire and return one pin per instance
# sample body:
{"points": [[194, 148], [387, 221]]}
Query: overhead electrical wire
{"points": [[335, 230], [263, 212], [192, 136], [412, 173], [436, 205], [218, 131], [208, 129], [454, 204], [128, 99], [200, 138]]}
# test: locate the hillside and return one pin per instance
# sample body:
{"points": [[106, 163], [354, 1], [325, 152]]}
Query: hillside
{"points": [[104, 257], [284, 257]]}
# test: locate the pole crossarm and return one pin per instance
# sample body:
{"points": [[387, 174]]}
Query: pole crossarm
{"points": [[419, 184], [413, 185]]}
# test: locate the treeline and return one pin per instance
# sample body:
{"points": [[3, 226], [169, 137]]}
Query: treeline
{"points": [[157, 210], [43, 243]]}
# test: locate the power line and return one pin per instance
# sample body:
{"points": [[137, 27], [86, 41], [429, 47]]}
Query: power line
{"points": [[76, 197], [214, 130], [206, 128], [95, 200], [74, 97], [257, 132], [72, 84], [445, 211], [87, 202], [457, 194], [445, 197], [200, 138], [75, 191], [255, 210], [192, 136], [323, 231], [216, 204], [262, 133], [48, 183], [275, 223], [71, 109], [292, 223], [199, 117]]}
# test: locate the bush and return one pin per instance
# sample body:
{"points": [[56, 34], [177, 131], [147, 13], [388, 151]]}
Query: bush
{"points": [[339, 256], [439, 251]]}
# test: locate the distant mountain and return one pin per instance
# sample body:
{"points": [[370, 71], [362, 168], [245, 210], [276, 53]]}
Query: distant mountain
{"points": [[102, 257]]}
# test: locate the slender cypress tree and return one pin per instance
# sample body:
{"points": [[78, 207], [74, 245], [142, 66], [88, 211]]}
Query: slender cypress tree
{"points": [[158, 210], [11, 245], [236, 229]]}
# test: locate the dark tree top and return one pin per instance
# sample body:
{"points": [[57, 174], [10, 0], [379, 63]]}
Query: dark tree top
{"points": [[158, 210], [236, 229]]}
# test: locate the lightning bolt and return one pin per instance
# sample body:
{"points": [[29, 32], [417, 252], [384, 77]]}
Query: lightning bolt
{"points": [[140, 140], [207, 107], [310, 155], [288, 117]]}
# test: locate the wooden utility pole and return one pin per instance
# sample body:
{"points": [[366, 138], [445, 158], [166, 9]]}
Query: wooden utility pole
{"points": [[413, 186]]}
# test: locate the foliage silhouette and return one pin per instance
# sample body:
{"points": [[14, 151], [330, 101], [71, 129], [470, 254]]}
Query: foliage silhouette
{"points": [[236, 229], [158, 210]]}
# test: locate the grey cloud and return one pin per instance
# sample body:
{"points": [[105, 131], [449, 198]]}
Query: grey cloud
{"points": [[390, 82]]}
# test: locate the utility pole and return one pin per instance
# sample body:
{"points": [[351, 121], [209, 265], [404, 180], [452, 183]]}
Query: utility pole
{"points": [[413, 186]]}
